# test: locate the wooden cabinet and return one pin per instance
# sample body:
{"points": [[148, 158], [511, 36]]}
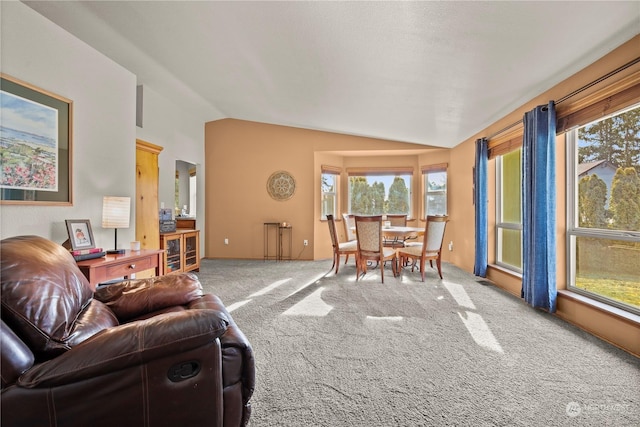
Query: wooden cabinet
{"points": [[189, 223], [181, 250]]}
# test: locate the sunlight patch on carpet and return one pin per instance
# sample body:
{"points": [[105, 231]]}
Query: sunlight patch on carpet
{"points": [[238, 304], [313, 305], [269, 288], [459, 294], [310, 282], [388, 318], [480, 332]]}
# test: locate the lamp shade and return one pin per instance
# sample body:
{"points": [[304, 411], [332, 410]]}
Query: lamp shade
{"points": [[115, 212]]}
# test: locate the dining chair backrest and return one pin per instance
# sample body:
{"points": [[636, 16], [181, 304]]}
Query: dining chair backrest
{"points": [[434, 233], [397, 220], [369, 235], [349, 224], [332, 231]]}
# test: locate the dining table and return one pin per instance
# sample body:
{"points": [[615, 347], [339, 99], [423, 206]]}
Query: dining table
{"points": [[399, 232]]}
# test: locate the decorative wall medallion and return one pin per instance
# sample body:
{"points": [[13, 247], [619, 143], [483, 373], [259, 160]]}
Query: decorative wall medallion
{"points": [[281, 185]]}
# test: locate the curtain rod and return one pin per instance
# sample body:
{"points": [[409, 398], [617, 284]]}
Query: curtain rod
{"points": [[574, 93]]}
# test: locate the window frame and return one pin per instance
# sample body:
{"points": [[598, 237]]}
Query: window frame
{"points": [[575, 231], [500, 224], [382, 171], [335, 172], [425, 171]]}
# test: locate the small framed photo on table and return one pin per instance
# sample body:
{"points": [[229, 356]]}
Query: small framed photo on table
{"points": [[80, 234]]}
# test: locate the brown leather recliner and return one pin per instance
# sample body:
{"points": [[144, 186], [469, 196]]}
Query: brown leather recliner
{"points": [[148, 352]]}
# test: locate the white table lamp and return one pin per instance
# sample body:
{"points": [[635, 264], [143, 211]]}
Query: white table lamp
{"points": [[115, 214]]}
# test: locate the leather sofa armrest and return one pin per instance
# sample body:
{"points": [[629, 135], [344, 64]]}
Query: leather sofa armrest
{"points": [[15, 358], [135, 298], [233, 341], [129, 345]]}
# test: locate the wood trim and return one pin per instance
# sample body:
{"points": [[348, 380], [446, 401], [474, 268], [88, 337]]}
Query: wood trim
{"points": [[433, 168], [331, 169], [606, 101], [609, 99], [379, 171], [147, 146], [506, 146], [592, 109], [623, 84], [35, 88]]}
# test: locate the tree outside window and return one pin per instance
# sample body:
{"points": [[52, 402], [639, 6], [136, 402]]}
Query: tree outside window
{"points": [[605, 227], [435, 192], [382, 194]]}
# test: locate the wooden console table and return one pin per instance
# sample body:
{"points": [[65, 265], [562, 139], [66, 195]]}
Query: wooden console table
{"points": [[114, 266]]}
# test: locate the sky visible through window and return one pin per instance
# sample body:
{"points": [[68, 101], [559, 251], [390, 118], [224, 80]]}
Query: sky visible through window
{"points": [[387, 180]]}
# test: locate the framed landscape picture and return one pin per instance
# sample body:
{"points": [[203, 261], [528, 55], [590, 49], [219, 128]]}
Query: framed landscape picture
{"points": [[35, 145]]}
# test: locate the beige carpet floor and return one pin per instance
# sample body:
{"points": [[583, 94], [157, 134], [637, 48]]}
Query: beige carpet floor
{"points": [[331, 351]]}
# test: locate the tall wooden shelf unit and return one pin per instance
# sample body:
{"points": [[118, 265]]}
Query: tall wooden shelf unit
{"points": [[181, 250]]}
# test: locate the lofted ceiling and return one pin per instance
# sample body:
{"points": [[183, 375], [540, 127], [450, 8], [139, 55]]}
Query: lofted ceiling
{"points": [[427, 72]]}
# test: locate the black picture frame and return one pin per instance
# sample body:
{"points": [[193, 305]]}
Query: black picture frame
{"points": [[80, 234], [60, 193]]}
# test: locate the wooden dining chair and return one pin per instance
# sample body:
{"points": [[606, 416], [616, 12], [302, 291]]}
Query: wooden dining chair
{"points": [[349, 226], [344, 248], [430, 248], [370, 247], [395, 220]]}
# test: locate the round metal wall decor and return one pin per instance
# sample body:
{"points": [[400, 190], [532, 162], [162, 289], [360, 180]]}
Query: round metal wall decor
{"points": [[281, 185]]}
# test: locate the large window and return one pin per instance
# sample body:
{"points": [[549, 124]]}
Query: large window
{"points": [[603, 160], [379, 192], [329, 190], [435, 189], [509, 210]]}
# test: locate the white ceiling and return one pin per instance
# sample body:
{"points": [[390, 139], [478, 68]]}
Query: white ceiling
{"points": [[431, 73]]}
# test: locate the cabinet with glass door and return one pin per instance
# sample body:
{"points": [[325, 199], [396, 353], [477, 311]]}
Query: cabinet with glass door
{"points": [[191, 259], [181, 250]]}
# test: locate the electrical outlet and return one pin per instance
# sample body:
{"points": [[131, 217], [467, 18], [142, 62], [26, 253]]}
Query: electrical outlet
{"points": [[305, 242], [451, 245], [226, 241]]}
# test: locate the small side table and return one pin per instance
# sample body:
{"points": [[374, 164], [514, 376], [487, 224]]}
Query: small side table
{"points": [[271, 228], [280, 236], [285, 232]]}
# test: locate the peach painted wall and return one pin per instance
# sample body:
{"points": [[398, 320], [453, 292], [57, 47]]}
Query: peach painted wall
{"points": [[461, 226], [240, 156]]}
